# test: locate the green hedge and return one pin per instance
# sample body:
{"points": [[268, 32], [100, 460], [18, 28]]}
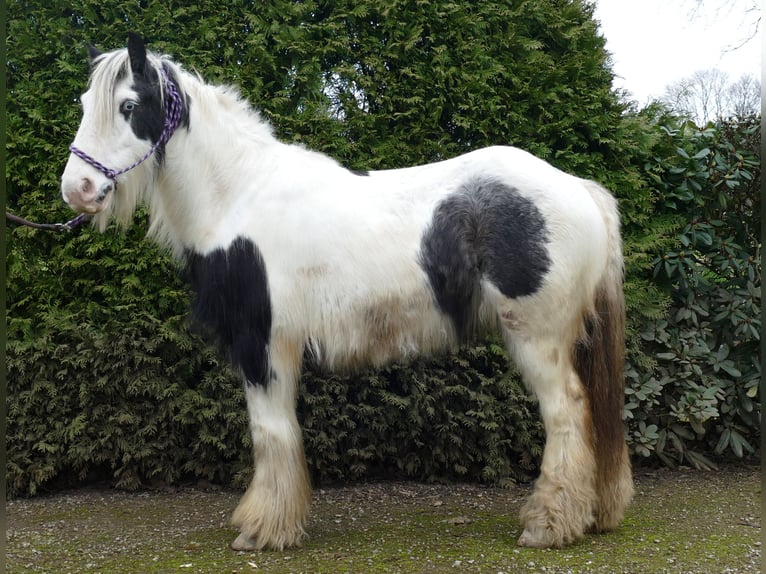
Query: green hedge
{"points": [[462, 416], [106, 380]]}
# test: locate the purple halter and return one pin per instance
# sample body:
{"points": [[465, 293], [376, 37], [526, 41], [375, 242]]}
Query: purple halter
{"points": [[173, 111]]}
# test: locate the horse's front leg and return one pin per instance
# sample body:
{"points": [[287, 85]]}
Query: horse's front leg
{"points": [[273, 512]]}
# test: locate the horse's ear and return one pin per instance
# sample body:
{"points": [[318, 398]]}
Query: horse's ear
{"points": [[93, 53], [137, 53]]}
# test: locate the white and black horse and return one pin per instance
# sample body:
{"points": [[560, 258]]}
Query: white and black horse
{"points": [[288, 252]]}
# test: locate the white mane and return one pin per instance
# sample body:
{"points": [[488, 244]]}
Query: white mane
{"points": [[207, 102], [227, 137]]}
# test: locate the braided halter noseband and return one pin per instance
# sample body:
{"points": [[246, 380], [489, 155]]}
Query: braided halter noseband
{"points": [[173, 112]]}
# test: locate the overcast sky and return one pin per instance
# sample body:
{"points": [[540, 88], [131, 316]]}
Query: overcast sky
{"points": [[655, 42]]}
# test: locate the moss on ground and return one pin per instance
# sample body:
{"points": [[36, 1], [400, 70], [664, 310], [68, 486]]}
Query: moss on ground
{"points": [[680, 521]]}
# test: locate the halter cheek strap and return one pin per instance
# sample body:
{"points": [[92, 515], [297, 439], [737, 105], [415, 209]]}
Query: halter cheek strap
{"points": [[173, 112]]}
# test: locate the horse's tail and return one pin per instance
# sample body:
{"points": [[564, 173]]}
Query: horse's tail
{"points": [[599, 361]]}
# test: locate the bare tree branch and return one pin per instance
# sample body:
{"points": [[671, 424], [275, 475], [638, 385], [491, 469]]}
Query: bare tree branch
{"points": [[707, 95], [744, 96], [751, 20]]}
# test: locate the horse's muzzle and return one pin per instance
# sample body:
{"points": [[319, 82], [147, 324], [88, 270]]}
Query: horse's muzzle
{"points": [[83, 196]]}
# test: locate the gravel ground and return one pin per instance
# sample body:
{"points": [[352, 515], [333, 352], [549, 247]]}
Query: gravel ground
{"points": [[680, 521]]}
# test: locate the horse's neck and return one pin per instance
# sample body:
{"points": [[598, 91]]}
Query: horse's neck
{"points": [[208, 169]]}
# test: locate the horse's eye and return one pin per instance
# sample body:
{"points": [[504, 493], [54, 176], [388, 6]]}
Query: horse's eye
{"points": [[128, 106]]}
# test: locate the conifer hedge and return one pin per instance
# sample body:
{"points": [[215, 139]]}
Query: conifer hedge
{"points": [[106, 378]]}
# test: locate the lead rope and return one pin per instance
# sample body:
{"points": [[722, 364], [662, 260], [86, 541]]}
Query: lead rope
{"points": [[58, 227]]}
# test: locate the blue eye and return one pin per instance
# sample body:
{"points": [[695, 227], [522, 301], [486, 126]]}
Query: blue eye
{"points": [[128, 106]]}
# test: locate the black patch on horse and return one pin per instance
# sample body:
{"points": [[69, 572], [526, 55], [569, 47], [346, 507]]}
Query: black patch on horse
{"points": [[484, 230], [360, 173], [147, 119], [231, 300]]}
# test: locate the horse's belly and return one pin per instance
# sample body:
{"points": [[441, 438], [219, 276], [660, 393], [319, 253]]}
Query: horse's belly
{"points": [[379, 331]]}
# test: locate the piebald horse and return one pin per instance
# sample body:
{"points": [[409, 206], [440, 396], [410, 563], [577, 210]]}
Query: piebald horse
{"points": [[288, 253]]}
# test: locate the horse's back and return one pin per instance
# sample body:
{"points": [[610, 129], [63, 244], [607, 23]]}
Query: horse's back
{"points": [[525, 205]]}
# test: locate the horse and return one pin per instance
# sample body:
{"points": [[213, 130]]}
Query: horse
{"points": [[289, 254]]}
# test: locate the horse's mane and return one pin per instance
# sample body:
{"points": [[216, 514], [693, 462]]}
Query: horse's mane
{"points": [[108, 69]]}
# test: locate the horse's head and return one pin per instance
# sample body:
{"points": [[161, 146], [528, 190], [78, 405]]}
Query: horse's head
{"points": [[130, 110]]}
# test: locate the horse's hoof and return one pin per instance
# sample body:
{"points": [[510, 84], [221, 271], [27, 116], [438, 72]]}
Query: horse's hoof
{"points": [[538, 539], [243, 543]]}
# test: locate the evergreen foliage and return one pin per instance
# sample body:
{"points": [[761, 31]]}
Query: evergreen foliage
{"points": [[461, 416], [106, 378]]}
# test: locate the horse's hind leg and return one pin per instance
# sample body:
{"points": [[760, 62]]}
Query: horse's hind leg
{"points": [[273, 512], [561, 507]]}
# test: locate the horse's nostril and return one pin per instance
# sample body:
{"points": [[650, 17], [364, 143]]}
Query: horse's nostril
{"points": [[85, 185], [105, 190]]}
